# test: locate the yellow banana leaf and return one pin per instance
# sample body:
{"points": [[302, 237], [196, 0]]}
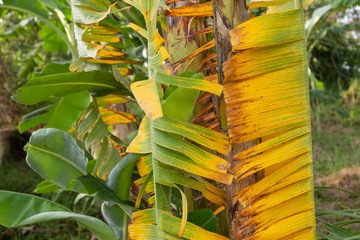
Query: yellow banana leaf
{"points": [[198, 10], [110, 99], [199, 84], [168, 224], [266, 95], [145, 93], [112, 117]]}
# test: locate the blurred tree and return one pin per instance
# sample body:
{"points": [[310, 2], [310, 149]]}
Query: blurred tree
{"points": [[334, 45], [27, 41]]}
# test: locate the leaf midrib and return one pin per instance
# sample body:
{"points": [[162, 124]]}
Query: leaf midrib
{"points": [[68, 161]]}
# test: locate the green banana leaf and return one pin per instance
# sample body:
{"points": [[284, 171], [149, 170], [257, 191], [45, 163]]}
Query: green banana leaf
{"points": [[119, 180], [19, 209], [48, 87], [103, 193], [55, 155], [61, 114]]}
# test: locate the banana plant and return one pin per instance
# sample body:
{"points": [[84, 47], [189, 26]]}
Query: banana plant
{"points": [[221, 152]]}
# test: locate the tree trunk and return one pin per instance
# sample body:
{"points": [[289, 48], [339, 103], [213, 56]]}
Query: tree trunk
{"points": [[227, 15], [122, 130]]}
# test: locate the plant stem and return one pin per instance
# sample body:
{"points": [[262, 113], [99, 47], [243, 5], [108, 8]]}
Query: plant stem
{"points": [[223, 23], [299, 4]]}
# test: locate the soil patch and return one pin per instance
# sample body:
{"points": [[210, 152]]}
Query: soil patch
{"points": [[347, 179]]}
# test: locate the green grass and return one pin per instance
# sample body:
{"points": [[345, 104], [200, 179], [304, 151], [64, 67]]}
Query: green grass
{"points": [[17, 176], [335, 147], [336, 133]]}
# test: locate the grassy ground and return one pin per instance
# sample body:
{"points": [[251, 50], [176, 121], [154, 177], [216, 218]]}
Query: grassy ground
{"points": [[336, 152], [334, 148], [336, 157]]}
